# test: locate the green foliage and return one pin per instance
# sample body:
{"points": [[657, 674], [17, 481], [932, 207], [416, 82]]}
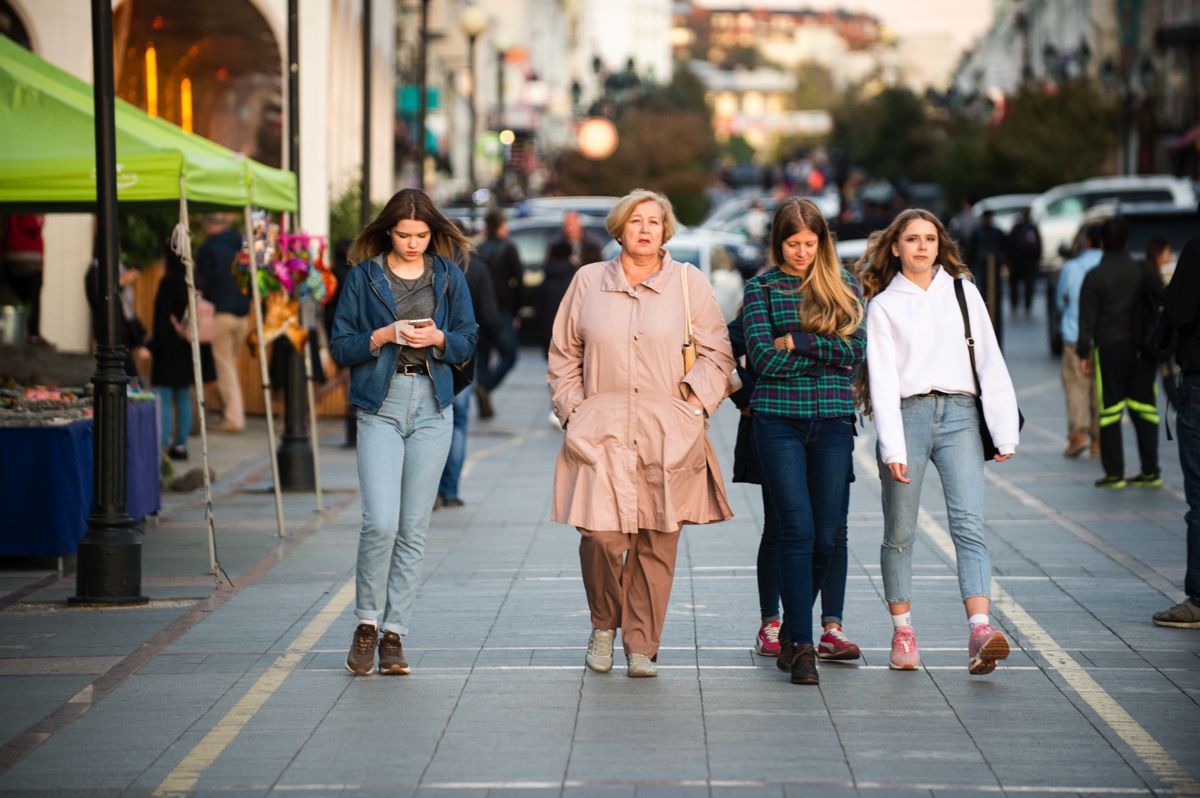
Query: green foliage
{"points": [[345, 214], [143, 232], [815, 90], [738, 149], [889, 134]]}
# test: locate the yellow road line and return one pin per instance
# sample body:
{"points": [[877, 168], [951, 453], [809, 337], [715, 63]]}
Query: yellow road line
{"points": [[183, 778], [1161, 763], [517, 440]]}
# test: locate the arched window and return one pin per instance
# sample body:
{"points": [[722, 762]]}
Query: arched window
{"points": [[212, 68], [12, 27]]}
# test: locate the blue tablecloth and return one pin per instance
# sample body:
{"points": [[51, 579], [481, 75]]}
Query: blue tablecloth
{"points": [[46, 482]]}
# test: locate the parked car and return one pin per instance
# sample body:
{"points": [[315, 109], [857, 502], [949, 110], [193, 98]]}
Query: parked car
{"points": [[1059, 211], [1004, 208], [1177, 225], [531, 236], [730, 216], [850, 251]]}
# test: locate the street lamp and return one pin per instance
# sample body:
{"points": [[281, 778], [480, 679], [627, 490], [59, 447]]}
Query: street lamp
{"points": [[597, 139], [503, 41], [473, 21]]}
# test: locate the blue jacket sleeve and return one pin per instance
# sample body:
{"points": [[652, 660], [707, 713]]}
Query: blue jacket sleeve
{"points": [[460, 321], [349, 344]]}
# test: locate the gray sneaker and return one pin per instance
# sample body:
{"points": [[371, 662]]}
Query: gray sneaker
{"points": [[361, 659], [641, 666], [600, 650], [1181, 616]]}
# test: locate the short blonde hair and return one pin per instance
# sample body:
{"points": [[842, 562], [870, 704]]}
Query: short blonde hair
{"points": [[618, 217]]}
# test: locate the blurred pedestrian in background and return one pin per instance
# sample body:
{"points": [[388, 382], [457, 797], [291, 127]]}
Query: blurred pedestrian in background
{"points": [[963, 224], [986, 254], [131, 333], [1181, 316], [21, 252], [508, 276], [755, 221], [1024, 257], [1083, 421], [1159, 256], [172, 373], [584, 248], [559, 272], [1108, 350], [487, 316], [636, 463], [215, 262]]}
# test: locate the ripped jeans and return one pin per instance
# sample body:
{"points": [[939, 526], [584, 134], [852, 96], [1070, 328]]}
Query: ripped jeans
{"points": [[943, 428]]}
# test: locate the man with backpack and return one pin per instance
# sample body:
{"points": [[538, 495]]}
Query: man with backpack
{"points": [[1110, 304], [1181, 317]]}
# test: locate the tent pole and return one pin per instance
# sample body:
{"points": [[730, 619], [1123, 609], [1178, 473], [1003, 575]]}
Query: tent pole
{"points": [[313, 436], [266, 375], [181, 243]]}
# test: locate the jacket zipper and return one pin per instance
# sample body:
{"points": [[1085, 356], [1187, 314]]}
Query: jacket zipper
{"points": [[436, 305], [397, 318]]}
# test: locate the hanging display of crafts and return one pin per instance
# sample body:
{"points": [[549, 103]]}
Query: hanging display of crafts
{"points": [[290, 268]]}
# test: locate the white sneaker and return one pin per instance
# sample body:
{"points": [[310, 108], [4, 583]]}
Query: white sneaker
{"points": [[641, 666], [554, 422], [600, 650]]}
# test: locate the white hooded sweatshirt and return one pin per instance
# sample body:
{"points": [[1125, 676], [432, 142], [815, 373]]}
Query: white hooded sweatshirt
{"points": [[916, 344]]}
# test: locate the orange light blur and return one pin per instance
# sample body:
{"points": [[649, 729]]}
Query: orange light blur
{"points": [[185, 103], [151, 82]]}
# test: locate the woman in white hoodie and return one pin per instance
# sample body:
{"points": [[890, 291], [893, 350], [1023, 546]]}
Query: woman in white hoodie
{"points": [[922, 393]]}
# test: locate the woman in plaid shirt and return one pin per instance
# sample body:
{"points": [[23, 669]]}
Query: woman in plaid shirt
{"points": [[805, 336]]}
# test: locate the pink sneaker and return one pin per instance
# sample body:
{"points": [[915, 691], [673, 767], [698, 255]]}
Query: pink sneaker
{"points": [[767, 642], [987, 645], [835, 645], [905, 656]]}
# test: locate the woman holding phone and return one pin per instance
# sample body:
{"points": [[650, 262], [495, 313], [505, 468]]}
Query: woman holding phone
{"points": [[403, 319]]}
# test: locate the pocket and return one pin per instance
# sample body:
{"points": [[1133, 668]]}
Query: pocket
{"points": [[684, 444], [908, 402], [963, 400], [580, 443]]}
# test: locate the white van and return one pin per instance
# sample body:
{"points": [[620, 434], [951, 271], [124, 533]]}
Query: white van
{"points": [[1059, 212]]}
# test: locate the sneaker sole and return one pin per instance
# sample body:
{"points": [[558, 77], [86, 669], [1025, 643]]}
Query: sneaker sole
{"points": [[395, 670], [1178, 624], [1145, 484], [813, 680], [985, 661], [1114, 486], [762, 653], [640, 674], [905, 667], [366, 672], [845, 655], [599, 667]]}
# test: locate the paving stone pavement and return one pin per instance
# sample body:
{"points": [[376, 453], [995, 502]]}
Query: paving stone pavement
{"points": [[242, 692]]}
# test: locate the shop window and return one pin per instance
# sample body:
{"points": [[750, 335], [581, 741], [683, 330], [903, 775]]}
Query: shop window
{"points": [[213, 68]]}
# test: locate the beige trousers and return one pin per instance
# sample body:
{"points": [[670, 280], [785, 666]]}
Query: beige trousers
{"points": [[228, 340], [1080, 391], [628, 582]]}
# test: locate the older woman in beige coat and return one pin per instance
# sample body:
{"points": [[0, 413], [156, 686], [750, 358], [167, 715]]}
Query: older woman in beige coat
{"points": [[636, 464]]}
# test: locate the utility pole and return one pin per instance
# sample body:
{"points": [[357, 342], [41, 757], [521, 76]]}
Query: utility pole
{"points": [[109, 563]]}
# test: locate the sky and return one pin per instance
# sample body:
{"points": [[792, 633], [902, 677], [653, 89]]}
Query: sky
{"points": [[964, 20]]}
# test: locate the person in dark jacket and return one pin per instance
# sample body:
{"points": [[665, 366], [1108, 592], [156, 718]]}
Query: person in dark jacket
{"points": [[771, 640], [1181, 314], [559, 272], [1108, 303], [508, 276], [214, 277], [986, 254], [584, 248], [483, 302], [172, 373], [1024, 255]]}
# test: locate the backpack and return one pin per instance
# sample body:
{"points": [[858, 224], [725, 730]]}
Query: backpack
{"points": [[1146, 310]]}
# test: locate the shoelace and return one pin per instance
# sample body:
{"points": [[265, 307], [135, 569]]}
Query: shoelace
{"points": [[365, 642], [771, 632], [839, 635], [603, 645], [908, 641]]}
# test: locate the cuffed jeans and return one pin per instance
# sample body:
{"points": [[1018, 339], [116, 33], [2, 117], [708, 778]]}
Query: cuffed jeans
{"points": [[943, 429], [1187, 428], [833, 590], [401, 452], [448, 487], [803, 463]]}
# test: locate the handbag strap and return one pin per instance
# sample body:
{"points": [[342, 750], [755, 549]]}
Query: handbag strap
{"points": [[960, 294], [687, 304]]}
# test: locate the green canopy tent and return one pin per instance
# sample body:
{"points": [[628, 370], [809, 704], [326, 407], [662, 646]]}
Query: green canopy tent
{"points": [[47, 165]]}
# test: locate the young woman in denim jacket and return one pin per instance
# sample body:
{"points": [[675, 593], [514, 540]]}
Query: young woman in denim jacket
{"points": [[402, 383]]}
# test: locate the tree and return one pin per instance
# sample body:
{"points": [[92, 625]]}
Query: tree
{"points": [[889, 134]]}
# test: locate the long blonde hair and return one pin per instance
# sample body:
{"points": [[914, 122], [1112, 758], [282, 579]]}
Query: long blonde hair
{"points": [[880, 265], [830, 306]]}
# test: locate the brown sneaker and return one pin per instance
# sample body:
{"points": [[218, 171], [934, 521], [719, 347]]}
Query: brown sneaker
{"points": [[361, 659], [391, 655], [1077, 444], [1181, 616], [1094, 449]]}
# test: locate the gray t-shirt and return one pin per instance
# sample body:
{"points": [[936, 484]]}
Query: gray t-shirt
{"points": [[414, 300]]}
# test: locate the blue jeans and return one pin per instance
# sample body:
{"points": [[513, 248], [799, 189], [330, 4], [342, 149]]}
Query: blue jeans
{"points": [[945, 429], [448, 487], [181, 397], [401, 451], [803, 464], [833, 591], [1187, 428], [505, 341]]}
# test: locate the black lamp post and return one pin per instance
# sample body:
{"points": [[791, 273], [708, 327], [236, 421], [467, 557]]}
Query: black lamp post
{"points": [[109, 560], [365, 212], [295, 453], [422, 91]]}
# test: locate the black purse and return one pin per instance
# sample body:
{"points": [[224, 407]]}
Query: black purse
{"points": [[989, 446], [462, 374]]}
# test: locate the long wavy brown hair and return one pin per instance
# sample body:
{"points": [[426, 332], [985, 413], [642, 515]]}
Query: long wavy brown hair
{"points": [[881, 264], [411, 203], [830, 307]]}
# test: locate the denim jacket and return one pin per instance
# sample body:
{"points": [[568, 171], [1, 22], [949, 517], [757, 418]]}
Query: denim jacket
{"points": [[366, 304]]}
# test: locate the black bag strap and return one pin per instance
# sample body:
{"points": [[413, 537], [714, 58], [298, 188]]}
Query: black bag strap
{"points": [[961, 295]]}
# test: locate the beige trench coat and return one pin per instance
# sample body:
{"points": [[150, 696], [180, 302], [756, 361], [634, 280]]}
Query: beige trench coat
{"points": [[635, 453]]}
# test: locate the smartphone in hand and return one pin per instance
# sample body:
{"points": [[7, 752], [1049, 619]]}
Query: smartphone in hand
{"points": [[421, 322]]}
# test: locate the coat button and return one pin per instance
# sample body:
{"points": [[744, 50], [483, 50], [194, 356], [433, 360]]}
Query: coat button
{"points": [[635, 337], [635, 390], [697, 412]]}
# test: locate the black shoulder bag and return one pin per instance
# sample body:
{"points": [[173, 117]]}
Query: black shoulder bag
{"points": [[989, 447], [463, 372]]}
